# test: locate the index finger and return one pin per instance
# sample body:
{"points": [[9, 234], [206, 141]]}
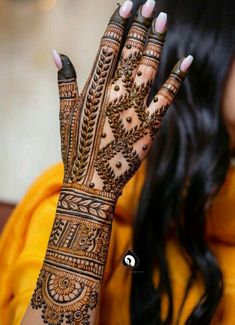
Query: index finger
{"points": [[111, 42], [112, 37]]}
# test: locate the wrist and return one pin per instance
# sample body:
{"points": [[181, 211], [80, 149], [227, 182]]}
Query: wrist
{"points": [[80, 200]]}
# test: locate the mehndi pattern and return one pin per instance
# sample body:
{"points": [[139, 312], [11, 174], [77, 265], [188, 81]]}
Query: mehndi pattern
{"points": [[106, 132]]}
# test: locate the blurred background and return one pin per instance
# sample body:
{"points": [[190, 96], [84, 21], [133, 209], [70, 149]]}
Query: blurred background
{"points": [[29, 104], [29, 125]]}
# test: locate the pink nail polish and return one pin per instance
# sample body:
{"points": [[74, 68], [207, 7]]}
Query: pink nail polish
{"points": [[57, 59], [148, 8], [160, 23], [125, 8], [186, 63]]}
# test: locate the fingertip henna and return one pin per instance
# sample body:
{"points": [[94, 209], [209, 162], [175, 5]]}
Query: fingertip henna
{"points": [[177, 70], [153, 49], [156, 34], [112, 37], [117, 18], [132, 52], [95, 174], [68, 71], [143, 21], [69, 94]]}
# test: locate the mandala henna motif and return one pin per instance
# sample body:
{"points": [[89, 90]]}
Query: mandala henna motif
{"points": [[64, 295], [73, 268], [105, 134]]}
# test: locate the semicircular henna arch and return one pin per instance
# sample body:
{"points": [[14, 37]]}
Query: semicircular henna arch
{"points": [[100, 130], [72, 271]]}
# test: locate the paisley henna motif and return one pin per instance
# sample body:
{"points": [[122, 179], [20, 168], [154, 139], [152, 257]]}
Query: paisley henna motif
{"points": [[106, 132]]}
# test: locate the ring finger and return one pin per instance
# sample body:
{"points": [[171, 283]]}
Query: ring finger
{"points": [[148, 66]]}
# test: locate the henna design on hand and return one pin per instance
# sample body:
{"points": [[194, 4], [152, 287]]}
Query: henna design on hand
{"points": [[109, 125], [106, 132], [69, 282]]}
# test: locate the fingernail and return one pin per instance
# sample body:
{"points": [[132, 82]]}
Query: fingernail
{"points": [[125, 8], [57, 59], [148, 7], [186, 63], [160, 23]]}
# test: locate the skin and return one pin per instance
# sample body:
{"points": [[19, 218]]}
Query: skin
{"points": [[106, 132], [229, 106]]}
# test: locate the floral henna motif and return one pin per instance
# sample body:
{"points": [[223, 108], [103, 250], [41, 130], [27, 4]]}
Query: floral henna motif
{"points": [[69, 282], [110, 117], [133, 50], [105, 134], [126, 68], [102, 132], [64, 296]]}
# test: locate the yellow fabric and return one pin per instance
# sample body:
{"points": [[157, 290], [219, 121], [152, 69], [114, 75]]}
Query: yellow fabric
{"points": [[24, 241]]}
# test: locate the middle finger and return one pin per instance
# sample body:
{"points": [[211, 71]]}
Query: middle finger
{"points": [[149, 62], [133, 49]]}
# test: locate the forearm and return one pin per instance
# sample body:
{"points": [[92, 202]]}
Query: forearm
{"points": [[69, 283], [106, 133]]}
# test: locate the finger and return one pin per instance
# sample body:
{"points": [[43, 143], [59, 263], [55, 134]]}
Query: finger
{"points": [[68, 92], [150, 59], [133, 49], [167, 93], [148, 65], [67, 78], [95, 92], [113, 35], [67, 82], [110, 44]]}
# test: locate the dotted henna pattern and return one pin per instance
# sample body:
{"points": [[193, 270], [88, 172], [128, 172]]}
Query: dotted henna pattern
{"points": [[69, 282], [106, 132]]}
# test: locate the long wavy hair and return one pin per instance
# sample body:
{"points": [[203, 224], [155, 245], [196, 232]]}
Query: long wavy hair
{"points": [[187, 164]]}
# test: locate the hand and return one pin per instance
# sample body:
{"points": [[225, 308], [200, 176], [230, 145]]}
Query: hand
{"points": [[107, 130]]}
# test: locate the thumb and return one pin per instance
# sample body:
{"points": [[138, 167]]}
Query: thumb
{"points": [[64, 65], [66, 71]]}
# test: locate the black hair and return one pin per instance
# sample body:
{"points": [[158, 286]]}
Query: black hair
{"points": [[187, 164]]}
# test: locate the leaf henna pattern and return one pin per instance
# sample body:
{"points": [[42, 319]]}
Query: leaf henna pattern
{"points": [[91, 108], [69, 282], [102, 139], [106, 132]]}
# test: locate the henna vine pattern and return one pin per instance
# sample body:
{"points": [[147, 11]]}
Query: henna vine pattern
{"points": [[109, 121], [106, 132]]}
